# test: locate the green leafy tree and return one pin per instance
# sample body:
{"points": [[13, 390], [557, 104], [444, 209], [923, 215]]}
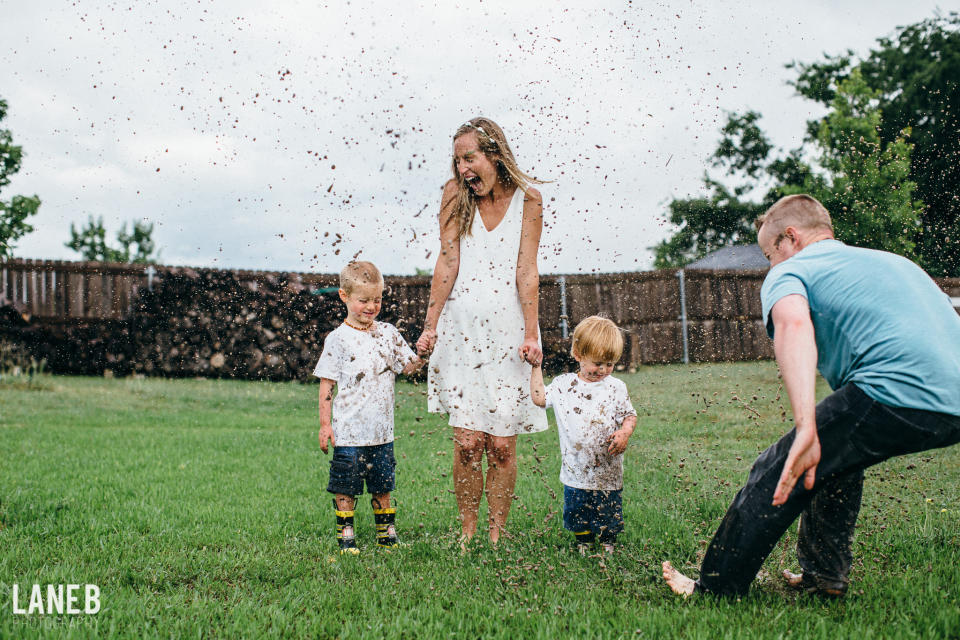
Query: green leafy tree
{"points": [[91, 242], [723, 217], [864, 182], [861, 179], [911, 115], [13, 212], [916, 74]]}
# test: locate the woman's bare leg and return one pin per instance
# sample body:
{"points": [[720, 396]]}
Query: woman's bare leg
{"points": [[468, 477], [501, 480]]}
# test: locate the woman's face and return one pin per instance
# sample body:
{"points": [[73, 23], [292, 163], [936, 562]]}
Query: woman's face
{"points": [[473, 166]]}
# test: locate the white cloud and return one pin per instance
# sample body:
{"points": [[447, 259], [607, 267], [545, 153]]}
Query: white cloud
{"points": [[301, 119]]}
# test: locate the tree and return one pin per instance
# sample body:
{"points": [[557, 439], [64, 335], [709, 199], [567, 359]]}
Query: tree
{"points": [[916, 75], [912, 116], [864, 182], [13, 213], [91, 242], [723, 217]]}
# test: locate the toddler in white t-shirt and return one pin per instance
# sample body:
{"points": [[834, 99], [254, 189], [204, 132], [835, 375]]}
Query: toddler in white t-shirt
{"points": [[595, 419], [361, 358]]}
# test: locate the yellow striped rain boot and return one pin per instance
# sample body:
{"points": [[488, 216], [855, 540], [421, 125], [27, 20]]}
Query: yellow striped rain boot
{"points": [[386, 529], [345, 536], [583, 540]]}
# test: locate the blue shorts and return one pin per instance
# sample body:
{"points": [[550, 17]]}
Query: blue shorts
{"points": [[351, 467], [593, 510]]}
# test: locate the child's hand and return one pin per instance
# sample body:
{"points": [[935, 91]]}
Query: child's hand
{"points": [[619, 440], [326, 438], [413, 366], [426, 342], [530, 352]]}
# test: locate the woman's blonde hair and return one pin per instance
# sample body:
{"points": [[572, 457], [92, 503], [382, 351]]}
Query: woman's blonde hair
{"points": [[493, 144], [598, 339], [359, 273]]}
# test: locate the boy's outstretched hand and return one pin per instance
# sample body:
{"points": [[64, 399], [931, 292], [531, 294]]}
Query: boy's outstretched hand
{"points": [[326, 438]]}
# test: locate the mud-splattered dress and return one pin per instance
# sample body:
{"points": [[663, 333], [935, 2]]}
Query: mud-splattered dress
{"points": [[476, 374]]}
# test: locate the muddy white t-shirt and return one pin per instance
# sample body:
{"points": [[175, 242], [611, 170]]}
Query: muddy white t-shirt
{"points": [[587, 414], [364, 365]]}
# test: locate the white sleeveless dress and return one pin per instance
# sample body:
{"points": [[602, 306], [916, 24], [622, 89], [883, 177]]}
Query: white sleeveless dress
{"points": [[476, 373]]}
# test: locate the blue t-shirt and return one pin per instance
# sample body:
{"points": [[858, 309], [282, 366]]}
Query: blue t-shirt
{"points": [[881, 323]]}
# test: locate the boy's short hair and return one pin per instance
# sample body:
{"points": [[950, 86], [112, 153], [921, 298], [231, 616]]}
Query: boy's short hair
{"points": [[358, 273], [598, 339], [798, 210]]}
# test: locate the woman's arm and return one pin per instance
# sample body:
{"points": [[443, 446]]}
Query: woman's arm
{"points": [[528, 277], [444, 273]]}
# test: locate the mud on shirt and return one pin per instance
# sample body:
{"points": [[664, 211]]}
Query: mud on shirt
{"points": [[364, 365], [587, 414]]}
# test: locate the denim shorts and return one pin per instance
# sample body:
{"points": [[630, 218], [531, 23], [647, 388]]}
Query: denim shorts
{"points": [[592, 510], [351, 467]]}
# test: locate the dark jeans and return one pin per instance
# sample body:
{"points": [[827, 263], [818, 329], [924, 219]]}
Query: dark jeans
{"points": [[594, 510], [855, 432], [351, 467]]}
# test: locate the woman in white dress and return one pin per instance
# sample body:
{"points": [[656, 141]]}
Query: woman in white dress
{"points": [[481, 323]]}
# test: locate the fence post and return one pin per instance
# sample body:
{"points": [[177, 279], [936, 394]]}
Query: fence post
{"points": [[563, 307], [683, 317], [150, 271]]}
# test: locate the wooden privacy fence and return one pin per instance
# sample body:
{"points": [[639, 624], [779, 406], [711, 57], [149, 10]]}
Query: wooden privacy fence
{"points": [[57, 290], [723, 312], [60, 290], [722, 307]]}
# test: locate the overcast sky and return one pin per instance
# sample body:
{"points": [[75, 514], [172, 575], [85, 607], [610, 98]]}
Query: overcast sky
{"points": [[294, 135]]}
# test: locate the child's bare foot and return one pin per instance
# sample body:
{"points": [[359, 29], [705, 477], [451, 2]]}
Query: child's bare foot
{"points": [[679, 583], [609, 547]]}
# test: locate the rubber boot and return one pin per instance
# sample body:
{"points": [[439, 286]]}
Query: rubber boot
{"points": [[385, 521], [345, 531]]}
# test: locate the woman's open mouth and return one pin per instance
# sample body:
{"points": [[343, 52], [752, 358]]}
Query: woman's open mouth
{"points": [[473, 182]]}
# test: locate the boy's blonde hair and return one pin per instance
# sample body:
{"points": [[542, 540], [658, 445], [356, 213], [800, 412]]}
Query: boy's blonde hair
{"points": [[359, 273], [798, 210], [598, 339]]}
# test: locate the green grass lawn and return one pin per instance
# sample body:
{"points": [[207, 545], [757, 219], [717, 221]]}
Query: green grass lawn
{"points": [[199, 509]]}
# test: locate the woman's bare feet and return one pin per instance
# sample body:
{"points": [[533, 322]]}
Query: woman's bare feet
{"points": [[679, 583]]}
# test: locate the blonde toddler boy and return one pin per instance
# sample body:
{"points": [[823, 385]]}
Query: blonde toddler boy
{"points": [[595, 419], [360, 359]]}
